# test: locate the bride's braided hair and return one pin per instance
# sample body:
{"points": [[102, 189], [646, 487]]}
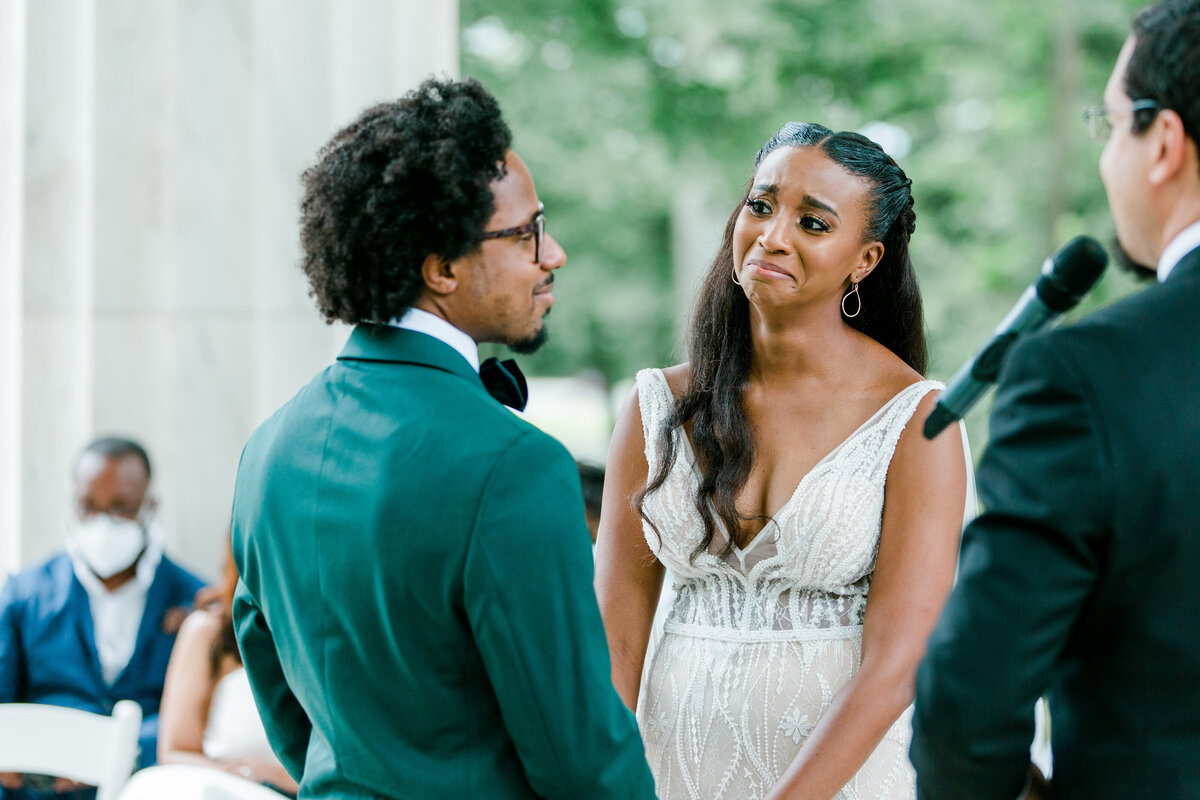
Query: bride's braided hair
{"points": [[720, 336]]}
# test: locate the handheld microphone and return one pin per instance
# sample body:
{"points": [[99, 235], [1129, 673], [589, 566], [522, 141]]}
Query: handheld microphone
{"points": [[1066, 277]]}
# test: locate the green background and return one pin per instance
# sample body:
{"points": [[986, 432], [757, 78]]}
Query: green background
{"points": [[618, 108]]}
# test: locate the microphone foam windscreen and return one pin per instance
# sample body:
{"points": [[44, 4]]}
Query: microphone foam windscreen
{"points": [[1073, 271]]}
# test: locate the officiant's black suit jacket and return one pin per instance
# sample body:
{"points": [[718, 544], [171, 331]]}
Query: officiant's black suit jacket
{"points": [[1082, 579]]}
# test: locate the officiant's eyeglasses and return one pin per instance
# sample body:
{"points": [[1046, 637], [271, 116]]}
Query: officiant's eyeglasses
{"points": [[537, 226], [1099, 118]]}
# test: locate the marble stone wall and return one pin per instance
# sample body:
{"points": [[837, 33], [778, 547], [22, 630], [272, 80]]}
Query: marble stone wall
{"points": [[150, 153]]}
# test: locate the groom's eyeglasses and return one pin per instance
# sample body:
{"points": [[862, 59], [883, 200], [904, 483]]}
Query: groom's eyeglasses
{"points": [[536, 226]]}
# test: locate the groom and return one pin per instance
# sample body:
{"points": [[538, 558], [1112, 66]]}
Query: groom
{"points": [[416, 612], [1080, 582]]}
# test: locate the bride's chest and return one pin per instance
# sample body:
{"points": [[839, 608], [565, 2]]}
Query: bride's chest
{"points": [[802, 436], [824, 534]]}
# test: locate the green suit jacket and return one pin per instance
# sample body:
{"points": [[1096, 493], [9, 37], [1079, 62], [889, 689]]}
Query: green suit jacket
{"points": [[416, 612]]}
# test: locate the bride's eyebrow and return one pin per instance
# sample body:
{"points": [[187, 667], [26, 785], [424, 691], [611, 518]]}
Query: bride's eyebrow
{"points": [[809, 200]]}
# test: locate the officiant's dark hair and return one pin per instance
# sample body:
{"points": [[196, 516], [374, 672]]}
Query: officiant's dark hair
{"points": [[405, 180], [719, 349], [1165, 63]]}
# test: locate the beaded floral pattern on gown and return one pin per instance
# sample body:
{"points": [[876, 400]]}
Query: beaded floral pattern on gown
{"points": [[758, 642]]}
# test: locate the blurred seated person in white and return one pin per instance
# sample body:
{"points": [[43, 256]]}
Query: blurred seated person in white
{"points": [[95, 624], [208, 714]]}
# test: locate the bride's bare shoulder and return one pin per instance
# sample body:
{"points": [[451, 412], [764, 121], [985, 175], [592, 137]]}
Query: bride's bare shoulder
{"points": [[677, 378]]}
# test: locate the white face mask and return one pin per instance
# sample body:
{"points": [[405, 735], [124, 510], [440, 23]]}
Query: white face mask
{"points": [[108, 544]]}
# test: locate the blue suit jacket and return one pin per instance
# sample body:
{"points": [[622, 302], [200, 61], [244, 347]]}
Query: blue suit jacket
{"points": [[48, 650]]}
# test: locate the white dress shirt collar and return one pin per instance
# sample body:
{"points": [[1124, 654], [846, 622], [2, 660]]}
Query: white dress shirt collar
{"points": [[423, 322], [1184, 242]]}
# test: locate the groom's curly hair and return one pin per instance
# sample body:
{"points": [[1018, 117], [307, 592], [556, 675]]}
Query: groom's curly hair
{"points": [[405, 180]]}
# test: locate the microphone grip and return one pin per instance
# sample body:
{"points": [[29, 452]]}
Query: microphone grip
{"points": [[977, 376], [986, 366], [968, 384], [1066, 278], [939, 419]]}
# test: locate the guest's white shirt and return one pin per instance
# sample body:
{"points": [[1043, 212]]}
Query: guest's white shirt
{"points": [[117, 615], [423, 322], [1184, 242]]}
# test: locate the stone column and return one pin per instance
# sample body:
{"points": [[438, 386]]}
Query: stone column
{"points": [[12, 192], [150, 154], [53, 369]]}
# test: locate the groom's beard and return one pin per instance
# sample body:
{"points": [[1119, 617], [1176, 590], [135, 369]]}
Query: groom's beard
{"points": [[530, 345], [1127, 263]]}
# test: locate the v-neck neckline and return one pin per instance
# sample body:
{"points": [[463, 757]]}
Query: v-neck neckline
{"points": [[774, 518]]}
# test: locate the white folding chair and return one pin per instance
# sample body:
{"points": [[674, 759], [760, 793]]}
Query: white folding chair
{"points": [[68, 743], [188, 782]]}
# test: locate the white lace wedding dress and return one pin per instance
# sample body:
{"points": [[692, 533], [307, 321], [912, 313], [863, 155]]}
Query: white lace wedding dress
{"points": [[757, 643]]}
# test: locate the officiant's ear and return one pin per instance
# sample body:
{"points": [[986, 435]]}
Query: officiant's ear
{"points": [[438, 274]]}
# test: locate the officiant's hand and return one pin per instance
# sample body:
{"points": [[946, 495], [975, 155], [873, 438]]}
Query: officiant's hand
{"points": [[1038, 787]]}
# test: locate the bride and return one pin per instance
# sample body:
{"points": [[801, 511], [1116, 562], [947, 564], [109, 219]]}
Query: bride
{"points": [[782, 477]]}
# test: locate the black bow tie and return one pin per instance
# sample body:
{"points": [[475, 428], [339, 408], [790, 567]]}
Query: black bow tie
{"points": [[504, 381]]}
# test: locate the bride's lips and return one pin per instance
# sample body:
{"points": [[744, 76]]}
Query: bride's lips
{"points": [[767, 269]]}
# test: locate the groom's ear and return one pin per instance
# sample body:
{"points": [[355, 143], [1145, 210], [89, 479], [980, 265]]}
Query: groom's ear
{"points": [[439, 275]]}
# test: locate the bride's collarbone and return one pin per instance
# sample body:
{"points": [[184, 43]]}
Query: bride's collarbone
{"points": [[792, 440]]}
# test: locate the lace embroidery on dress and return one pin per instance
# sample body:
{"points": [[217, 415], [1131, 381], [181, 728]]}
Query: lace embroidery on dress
{"points": [[759, 641]]}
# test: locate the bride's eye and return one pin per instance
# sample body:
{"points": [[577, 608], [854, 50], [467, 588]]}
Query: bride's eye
{"points": [[758, 206], [811, 223]]}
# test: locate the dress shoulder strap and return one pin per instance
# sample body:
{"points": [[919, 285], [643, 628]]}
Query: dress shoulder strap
{"points": [[656, 404], [898, 412]]}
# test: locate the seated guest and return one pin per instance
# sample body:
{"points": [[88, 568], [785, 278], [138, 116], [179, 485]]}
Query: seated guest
{"points": [[591, 479], [95, 624], [208, 714]]}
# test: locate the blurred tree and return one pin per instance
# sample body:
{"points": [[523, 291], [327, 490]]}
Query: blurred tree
{"points": [[619, 105]]}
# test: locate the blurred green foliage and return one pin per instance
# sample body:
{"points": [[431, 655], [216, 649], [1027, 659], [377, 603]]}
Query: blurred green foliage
{"points": [[619, 105]]}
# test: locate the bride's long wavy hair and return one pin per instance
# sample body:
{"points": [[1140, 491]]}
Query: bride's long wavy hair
{"points": [[719, 346]]}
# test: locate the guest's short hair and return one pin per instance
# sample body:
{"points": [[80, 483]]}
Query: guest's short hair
{"points": [[115, 447], [407, 179]]}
